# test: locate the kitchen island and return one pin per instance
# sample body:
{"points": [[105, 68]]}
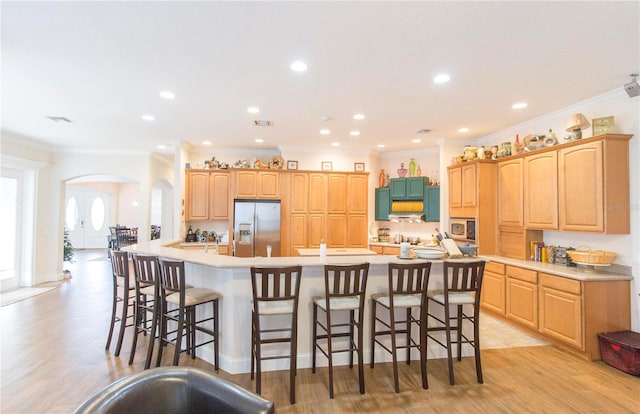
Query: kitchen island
{"points": [[230, 277]]}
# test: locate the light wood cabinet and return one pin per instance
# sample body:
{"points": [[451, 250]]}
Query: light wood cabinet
{"points": [[268, 184], [298, 231], [593, 183], [207, 195], [522, 296], [317, 193], [561, 309], [257, 184], [455, 189], [493, 288], [541, 191], [336, 230], [357, 230], [510, 193], [337, 194], [463, 192], [298, 193], [316, 229], [357, 186]]}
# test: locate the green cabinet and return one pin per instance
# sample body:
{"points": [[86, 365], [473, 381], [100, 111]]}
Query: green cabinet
{"points": [[431, 203], [383, 204], [411, 188]]}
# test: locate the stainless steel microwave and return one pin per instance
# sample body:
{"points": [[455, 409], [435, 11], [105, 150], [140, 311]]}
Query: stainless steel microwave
{"points": [[462, 229]]}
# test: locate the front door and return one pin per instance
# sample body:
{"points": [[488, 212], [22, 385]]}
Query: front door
{"points": [[86, 217]]}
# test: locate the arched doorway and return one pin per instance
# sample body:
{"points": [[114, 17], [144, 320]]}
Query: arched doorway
{"points": [[161, 209]]}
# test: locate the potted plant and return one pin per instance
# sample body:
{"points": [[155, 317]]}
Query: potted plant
{"points": [[67, 253]]}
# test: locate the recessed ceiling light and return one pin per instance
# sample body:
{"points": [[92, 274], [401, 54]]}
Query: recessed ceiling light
{"points": [[381, 145], [358, 116], [416, 140], [162, 146], [259, 140], [354, 133], [519, 105], [206, 142], [463, 130], [253, 109], [167, 95], [298, 66], [442, 78], [335, 144], [325, 131], [149, 118]]}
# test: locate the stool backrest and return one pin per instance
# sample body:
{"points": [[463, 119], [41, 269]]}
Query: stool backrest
{"points": [[346, 280], [171, 278], [120, 267], [275, 284], [145, 269], [463, 276], [409, 278]]}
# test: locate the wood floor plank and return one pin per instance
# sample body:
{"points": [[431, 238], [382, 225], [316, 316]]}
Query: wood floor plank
{"points": [[52, 358]]}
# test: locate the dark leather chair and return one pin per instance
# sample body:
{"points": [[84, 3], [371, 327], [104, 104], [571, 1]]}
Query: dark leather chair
{"points": [[175, 390]]}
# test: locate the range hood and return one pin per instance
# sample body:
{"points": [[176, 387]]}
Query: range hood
{"points": [[405, 218]]}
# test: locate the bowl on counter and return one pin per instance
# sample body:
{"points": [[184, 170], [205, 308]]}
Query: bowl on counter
{"points": [[468, 249], [432, 254]]}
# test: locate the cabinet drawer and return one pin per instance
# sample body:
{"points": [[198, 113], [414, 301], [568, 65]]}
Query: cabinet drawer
{"points": [[560, 283], [522, 274], [494, 267]]}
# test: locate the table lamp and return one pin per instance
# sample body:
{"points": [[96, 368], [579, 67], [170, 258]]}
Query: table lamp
{"points": [[576, 124]]}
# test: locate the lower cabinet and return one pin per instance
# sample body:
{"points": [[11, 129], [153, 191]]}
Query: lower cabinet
{"points": [[561, 309], [391, 250], [493, 288], [522, 302]]}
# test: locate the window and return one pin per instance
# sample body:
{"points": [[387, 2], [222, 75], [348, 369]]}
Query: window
{"points": [[71, 218], [97, 213]]}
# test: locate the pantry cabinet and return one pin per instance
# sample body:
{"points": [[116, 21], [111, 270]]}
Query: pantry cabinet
{"points": [[540, 186]]}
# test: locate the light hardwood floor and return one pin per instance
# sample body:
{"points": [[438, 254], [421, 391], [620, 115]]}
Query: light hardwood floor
{"points": [[53, 358]]}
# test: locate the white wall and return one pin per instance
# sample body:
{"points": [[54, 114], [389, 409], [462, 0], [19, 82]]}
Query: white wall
{"points": [[626, 112]]}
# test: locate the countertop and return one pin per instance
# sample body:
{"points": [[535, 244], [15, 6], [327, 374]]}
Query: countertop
{"points": [[338, 252]]}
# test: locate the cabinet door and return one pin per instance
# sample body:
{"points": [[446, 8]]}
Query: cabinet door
{"points": [[316, 229], [268, 184], [580, 185], [357, 230], [317, 193], [383, 204], [197, 195], [415, 187], [541, 191], [493, 292], [337, 194], [522, 302], [219, 196], [510, 193], [561, 316], [336, 230], [455, 188], [469, 186], [394, 251], [432, 204], [298, 231], [377, 249], [357, 194], [246, 185], [299, 195], [398, 188]]}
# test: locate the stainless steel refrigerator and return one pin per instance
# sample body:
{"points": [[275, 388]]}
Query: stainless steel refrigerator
{"points": [[256, 226]]}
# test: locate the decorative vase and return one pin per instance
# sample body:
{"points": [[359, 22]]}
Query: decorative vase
{"points": [[412, 168], [419, 171], [381, 178], [402, 172]]}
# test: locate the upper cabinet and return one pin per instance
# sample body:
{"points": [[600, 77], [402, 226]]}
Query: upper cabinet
{"points": [[257, 184], [207, 195], [593, 185], [411, 188], [541, 191], [510, 193]]}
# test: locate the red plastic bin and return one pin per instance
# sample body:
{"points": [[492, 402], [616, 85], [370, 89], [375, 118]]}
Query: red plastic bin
{"points": [[621, 350]]}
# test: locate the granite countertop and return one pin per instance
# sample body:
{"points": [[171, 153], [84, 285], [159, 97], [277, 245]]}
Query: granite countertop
{"points": [[338, 252]]}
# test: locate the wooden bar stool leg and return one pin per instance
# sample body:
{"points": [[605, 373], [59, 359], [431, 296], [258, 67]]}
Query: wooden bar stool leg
{"points": [[373, 333], [315, 338], [152, 336], [394, 352], [114, 308], [459, 329], [330, 354], [360, 350], [123, 321]]}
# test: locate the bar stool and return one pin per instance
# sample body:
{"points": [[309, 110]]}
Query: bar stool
{"points": [[182, 311], [276, 291], [123, 291], [147, 300], [345, 287], [407, 290], [462, 286]]}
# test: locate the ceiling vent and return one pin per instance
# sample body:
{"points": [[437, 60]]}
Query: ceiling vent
{"points": [[263, 123], [59, 119], [424, 131]]}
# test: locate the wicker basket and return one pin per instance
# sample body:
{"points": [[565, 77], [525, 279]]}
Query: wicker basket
{"points": [[585, 255]]}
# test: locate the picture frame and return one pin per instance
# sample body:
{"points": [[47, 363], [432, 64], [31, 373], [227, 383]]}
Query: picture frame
{"points": [[292, 165], [358, 166], [326, 165], [602, 125]]}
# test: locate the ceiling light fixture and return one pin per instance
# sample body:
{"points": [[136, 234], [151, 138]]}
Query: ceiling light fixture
{"points": [[416, 140], [442, 78], [149, 118], [162, 146], [259, 140], [298, 66], [167, 95], [358, 117], [519, 105], [253, 109], [465, 129], [381, 145], [206, 142], [354, 133], [325, 131], [335, 144]]}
